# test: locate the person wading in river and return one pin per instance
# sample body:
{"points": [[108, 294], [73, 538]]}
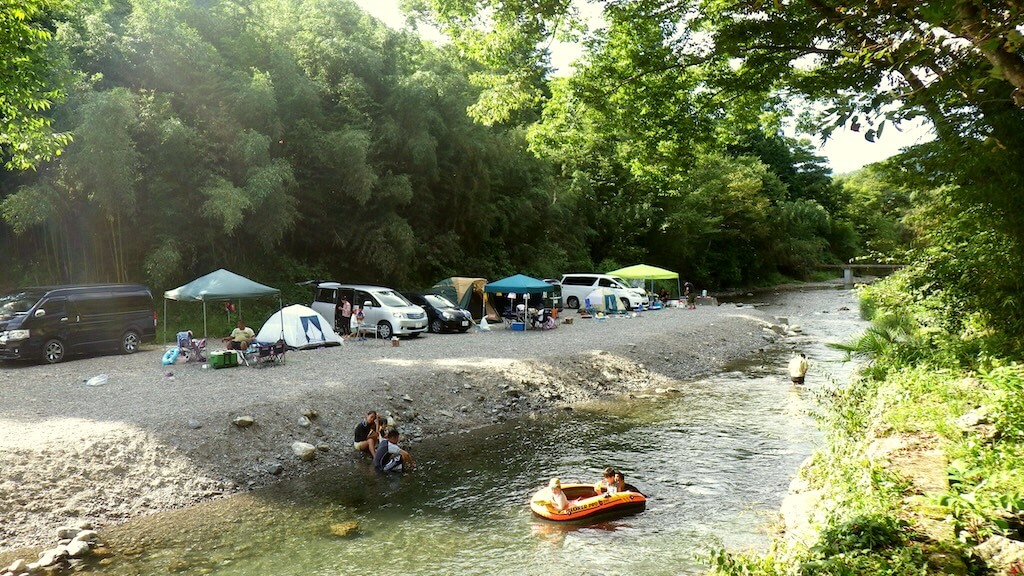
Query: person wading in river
{"points": [[798, 368]]}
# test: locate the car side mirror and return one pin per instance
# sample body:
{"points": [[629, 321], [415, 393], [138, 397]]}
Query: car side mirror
{"points": [[367, 304], [40, 312]]}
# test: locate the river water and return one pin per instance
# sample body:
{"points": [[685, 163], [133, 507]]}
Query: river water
{"points": [[714, 459]]}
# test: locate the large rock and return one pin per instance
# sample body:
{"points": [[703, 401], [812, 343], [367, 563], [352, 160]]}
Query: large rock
{"points": [[87, 536], [1000, 552], [17, 567], [345, 529], [304, 451], [78, 549], [52, 556]]}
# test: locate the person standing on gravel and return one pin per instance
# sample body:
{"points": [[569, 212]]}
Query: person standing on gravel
{"points": [[366, 436], [345, 313], [690, 296], [798, 368]]}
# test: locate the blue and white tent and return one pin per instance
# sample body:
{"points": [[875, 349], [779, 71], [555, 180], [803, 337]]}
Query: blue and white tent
{"points": [[303, 328]]}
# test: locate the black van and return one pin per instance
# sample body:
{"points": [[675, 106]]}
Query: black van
{"points": [[51, 322]]}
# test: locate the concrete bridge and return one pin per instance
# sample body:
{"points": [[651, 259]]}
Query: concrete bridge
{"points": [[849, 268]]}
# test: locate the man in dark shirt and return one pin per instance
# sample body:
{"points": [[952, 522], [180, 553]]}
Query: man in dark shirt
{"points": [[365, 437]]}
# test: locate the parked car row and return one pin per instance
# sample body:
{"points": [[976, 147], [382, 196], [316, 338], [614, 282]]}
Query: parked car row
{"points": [[49, 323]]}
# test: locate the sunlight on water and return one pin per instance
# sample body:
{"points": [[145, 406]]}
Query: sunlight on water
{"points": [[714, 459]]}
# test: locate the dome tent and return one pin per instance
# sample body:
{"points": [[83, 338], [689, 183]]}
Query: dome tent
{"points": [[302, 326]]}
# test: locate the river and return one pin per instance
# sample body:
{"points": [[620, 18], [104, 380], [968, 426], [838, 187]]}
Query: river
{"points": [[715, 460]]}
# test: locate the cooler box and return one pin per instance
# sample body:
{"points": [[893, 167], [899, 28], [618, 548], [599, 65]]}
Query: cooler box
{"points": [[223, 359], [520, 326]]}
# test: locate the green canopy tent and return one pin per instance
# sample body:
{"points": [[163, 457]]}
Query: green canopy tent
{"points": [[467, 293], [646, 272], [219, 286]]}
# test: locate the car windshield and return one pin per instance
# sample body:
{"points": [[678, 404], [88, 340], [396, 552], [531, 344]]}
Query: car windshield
{"points": [[17, 303], [621, 282], [438, 301], [391, 298]]}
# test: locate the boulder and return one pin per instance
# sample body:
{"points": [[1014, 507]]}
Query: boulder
{"points": [[1000, 552], [345, 529], [87, 536], [52, 556], [78, 549], [304, 450]]}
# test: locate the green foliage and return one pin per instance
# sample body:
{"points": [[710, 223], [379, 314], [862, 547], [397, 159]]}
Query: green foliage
{"points": [[29, 83]]}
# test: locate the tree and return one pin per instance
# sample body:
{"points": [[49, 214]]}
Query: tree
{"points": [[28, 86]]}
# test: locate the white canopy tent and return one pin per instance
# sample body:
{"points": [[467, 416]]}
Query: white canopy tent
{"points": [[218, 286]]}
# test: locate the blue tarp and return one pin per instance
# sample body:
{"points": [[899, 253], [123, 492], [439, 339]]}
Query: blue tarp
{"points": [[519, 284]]}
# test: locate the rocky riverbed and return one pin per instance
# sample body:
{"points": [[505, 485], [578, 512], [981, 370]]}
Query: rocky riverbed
{"points": [[155, 438]]}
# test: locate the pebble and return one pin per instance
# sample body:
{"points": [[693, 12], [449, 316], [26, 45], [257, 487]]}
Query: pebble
{"points": [[244, 421], [304, 451]]}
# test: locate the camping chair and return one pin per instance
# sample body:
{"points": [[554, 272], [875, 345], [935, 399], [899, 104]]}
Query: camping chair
{"points": [[261, 353], [190, 347]]}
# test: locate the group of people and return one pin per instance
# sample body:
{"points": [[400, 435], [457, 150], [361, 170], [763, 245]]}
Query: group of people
{"points": [[377, 436], [612, 482], [350, 319], [688, 297]]}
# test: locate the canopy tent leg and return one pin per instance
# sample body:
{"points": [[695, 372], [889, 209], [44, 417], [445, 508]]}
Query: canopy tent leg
{"points": [[165, 322], [205, 335]]}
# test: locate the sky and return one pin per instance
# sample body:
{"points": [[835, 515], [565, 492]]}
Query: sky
{"points": [[846, 151]]}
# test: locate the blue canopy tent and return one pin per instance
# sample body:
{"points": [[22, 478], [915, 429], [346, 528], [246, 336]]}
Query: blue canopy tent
{"points": [[520, 284]]}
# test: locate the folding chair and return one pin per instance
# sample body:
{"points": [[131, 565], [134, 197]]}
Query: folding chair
{"points": [[191, 348]]}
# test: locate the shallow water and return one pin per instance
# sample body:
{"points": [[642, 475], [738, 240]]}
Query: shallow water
{"points": [[715, 460]]}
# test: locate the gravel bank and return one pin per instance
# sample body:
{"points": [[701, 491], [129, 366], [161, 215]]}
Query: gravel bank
{"points": [[146, 442]]}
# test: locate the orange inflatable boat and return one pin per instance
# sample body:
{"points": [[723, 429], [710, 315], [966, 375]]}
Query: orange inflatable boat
{"points": [[585, 504]]}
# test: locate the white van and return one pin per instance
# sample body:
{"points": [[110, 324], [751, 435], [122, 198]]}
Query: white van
{"points": [[389, 311], [576, 288]]}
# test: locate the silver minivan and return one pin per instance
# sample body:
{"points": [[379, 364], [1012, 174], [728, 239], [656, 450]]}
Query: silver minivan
{"points": [[388, 310]]}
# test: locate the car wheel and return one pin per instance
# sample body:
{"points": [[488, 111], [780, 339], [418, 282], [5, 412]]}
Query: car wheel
{"points": [[384, 330], [53, 351], [436, 326], [573, 302], [130, 342], [625, 303]]}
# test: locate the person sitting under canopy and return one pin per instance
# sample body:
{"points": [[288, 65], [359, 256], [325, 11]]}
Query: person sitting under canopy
{"points": [[240, 337]]}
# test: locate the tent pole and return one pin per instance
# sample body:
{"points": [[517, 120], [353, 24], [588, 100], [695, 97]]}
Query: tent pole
{"points": [[165, 322], [679, 290], [280, 312], [205, 332]]}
